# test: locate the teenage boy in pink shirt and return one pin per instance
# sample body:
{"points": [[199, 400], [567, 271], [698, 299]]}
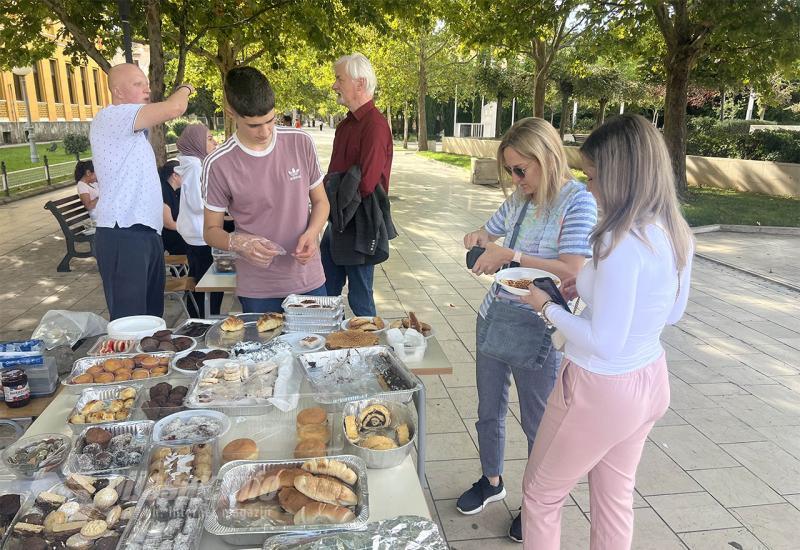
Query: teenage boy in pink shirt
{"points": [[264, 176]]}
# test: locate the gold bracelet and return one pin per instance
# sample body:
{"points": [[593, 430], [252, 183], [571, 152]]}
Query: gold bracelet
{"points": [[543, 313]]}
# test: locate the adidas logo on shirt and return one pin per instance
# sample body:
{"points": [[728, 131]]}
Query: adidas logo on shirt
{"points": [[294, 174]]}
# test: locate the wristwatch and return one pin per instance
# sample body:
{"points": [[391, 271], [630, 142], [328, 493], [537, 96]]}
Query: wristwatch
{"points": [[517, 256]]}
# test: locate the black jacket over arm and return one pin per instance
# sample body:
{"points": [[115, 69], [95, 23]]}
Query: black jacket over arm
{"points": [[360, 228]]}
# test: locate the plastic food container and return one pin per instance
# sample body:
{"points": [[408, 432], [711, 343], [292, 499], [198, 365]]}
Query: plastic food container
{"points": [[222, 519], [167, 514], [106, 345], [135, 327], [106, 394], [224, 261], [52, 462], [139, 429], [160, 437], [400, 414]]}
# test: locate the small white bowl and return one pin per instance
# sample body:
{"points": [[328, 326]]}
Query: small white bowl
{"points": [[135, 327]]}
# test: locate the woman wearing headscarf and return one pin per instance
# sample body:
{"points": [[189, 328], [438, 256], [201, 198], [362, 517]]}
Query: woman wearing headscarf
{"points": [[195, 143]]}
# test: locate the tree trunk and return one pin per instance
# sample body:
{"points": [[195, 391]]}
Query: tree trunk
{"points": [[538, 54], [405, 125], [389, 119], [675, 116], [498, 117], [562, 126], [422, 92], [722, 105], [225, 61], [157, 85], [601, 112]]}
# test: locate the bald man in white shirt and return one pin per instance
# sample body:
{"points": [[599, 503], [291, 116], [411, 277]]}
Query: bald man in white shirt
{"points": [[128, 247]]}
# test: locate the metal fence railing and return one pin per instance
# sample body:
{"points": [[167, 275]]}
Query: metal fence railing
{"points": [[48, 174]]}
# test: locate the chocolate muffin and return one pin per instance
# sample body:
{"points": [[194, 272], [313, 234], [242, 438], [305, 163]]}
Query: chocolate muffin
{"points": [[98, 435], [149, 344], [167, 346], [217, 354], [187, 363], [163, 335], [162, 388], [182, 343]]}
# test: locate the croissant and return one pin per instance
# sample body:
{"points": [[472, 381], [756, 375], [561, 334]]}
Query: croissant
{"points": [[232, 324], [403, 435], [325, 490], [378, 443], [330, 467], [268, 483], [317, 513], [269, 321]]}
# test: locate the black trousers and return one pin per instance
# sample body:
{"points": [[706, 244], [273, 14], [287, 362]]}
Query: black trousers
{"points": [[200, 260], [131, 264]]}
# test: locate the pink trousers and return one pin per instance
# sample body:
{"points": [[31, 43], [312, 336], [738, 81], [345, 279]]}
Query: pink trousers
{"points": [[593, 424]]}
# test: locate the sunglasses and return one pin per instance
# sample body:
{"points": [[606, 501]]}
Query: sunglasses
{"points": [[517, 171]]}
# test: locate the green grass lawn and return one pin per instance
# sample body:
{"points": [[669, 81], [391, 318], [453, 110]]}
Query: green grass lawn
{"points": [[705, 205], [19, 157]]}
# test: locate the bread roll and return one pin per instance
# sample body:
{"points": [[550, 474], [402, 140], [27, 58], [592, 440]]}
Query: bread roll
{"points": [[269, 321], [312, 415], [308, 448], [325, 490], [292, 500], [330, 467], [314, 431], [240, 449], [317, 513]]}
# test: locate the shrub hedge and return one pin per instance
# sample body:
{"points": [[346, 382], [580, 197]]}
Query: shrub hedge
{"points": [[709, 137]]}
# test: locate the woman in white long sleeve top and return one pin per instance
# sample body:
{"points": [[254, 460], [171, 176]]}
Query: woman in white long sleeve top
{"points": [[194, 144], [613, 384]]}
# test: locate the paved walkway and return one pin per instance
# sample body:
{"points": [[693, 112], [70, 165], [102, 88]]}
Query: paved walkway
{"points": [[721, 470], [773, 256]]}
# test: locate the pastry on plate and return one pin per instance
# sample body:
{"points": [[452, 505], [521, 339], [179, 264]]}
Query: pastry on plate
{"points": [[413, 322], [269, 321], [366, 324], [232, 324]]}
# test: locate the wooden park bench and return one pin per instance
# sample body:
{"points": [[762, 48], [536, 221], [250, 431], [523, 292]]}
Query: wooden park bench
{"points": [[72, 216]]}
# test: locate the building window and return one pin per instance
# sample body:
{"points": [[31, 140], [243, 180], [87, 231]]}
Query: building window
{"points": [[96, 76], [73, 92], [56, 81], [85, 79], [37, 84], [19, 82]]}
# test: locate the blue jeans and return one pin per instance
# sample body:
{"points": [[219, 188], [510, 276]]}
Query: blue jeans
{"points": [[272, 305], [493, 378], [358, 279]]}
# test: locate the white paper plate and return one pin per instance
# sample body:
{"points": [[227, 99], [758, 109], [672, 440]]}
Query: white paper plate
{"points": [[293, 339], [517, 273], [346, 326], [135, 327]]}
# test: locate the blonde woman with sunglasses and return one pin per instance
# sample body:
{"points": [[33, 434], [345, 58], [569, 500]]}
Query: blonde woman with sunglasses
{"points": [[545, 223], [613, 384]]}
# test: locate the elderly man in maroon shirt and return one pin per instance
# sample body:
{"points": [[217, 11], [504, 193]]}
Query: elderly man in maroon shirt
{"points": [[363, 138]]}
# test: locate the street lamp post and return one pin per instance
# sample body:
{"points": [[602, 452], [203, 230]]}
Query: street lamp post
{"points": [[23, 72]]}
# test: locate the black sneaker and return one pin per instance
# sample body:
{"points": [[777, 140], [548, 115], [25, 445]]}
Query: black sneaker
{"points": [[515, 531], [481, 494]]}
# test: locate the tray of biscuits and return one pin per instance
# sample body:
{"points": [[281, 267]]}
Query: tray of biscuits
{"points": [[83, 512], [129, 368], [256, 498], [244, 327], [103, 405]]}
